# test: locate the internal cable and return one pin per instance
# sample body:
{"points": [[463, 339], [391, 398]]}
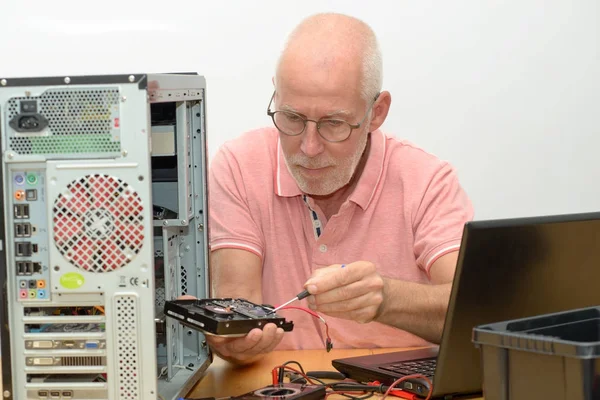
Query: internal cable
{"points": [[328, 341]]}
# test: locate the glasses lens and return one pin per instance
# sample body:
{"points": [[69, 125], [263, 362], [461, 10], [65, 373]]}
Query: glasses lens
{"points": [[334, 130], [288, 122]]}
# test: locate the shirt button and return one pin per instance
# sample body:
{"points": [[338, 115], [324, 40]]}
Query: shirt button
{"points": [[322, 248]]}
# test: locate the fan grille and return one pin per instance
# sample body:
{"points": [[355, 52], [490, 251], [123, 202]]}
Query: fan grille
{"points": [[98, 223]]}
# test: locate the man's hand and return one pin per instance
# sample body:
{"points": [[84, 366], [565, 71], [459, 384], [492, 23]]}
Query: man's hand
{"points": [[244, 349], [354, 292], [249, 348]]}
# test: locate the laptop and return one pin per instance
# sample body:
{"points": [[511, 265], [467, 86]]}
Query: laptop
{"points": [[507, 269]]}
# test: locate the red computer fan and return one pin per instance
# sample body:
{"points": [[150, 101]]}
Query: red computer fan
{"points": [[98, 223]]}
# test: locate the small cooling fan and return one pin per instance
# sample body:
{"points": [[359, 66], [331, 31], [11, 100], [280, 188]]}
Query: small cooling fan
{"points": [[98, 223]]}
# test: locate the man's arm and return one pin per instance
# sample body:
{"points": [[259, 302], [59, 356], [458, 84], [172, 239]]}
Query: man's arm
{"points": [[359, 293], [238, 274], [420, 308]]}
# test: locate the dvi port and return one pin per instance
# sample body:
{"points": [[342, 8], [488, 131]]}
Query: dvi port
{"points": [[39, 344]]}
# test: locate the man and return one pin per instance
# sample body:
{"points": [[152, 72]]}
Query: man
{"points": [[325, 188]]}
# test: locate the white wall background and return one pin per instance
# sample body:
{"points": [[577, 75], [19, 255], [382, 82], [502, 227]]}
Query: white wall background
{"points": [[508, 91]]}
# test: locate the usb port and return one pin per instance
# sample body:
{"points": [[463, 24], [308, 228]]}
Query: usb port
{"points": [[29, 270], [23, 249], [23, 229], [21, 211], [21, 269], [34, 248]]}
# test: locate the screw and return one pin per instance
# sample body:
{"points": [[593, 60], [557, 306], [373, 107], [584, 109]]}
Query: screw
{"points": [[183, 222], [123, 99], [67, 80], [124, 153], [10, 155], [131, 78], [165, 223], [6, 393], [3, 83], [200, 227], [187, 248]]}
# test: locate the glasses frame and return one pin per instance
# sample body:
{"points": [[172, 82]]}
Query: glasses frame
{"points": [[318, 123]]}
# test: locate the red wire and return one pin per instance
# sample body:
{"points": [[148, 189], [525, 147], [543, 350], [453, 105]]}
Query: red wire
{"points": [[274, 374], [311, 312], [342, 392], [314, 314], [404, 378]]}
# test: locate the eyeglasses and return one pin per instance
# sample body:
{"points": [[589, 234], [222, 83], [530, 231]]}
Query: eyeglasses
{"points": [[331, 129]]}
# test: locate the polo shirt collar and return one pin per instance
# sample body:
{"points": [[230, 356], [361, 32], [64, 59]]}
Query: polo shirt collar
{"points": [[286, 186]]}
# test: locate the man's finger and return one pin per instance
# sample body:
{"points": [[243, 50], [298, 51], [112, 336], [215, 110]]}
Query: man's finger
{"points": [[269, 338], [278, 336], [218, 340], [247, 342], [335, 277], [325, 270]]}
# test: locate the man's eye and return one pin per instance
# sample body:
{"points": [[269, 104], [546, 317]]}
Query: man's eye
{"points": [[293, 117], [334, 123]]}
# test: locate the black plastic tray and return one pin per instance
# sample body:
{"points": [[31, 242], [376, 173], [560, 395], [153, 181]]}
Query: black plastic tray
{"points": [[553, 356]]}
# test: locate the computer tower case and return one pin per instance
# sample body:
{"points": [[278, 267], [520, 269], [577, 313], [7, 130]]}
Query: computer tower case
{"points": [[104, 203]]}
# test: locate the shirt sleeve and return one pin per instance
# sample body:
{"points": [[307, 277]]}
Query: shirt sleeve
{"points": [[440, 218], [230, 221]]}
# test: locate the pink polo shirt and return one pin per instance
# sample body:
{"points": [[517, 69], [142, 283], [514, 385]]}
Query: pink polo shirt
{"points": [[407, 210]]}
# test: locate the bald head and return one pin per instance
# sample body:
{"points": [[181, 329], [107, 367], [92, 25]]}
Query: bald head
{"points": [[337, 48]]}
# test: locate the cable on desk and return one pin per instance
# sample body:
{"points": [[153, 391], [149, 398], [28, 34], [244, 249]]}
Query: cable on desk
{"points": [[280, 368], [343, 386], [294, 362], [404, 378], [299, 376]]}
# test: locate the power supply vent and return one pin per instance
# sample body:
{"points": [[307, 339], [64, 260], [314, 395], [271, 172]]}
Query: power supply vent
{"points": [[79, 121], [98, 223], [126, 349]]}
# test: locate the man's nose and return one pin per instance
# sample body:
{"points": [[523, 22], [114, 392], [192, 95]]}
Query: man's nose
{"points": [[312, 142]]}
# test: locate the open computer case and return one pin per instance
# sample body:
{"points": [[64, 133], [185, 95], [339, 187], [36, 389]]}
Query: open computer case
{"points": [[104, 201]]}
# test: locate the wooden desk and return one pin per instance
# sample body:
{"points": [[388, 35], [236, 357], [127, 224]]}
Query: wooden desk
{"points": [[223, 379]]}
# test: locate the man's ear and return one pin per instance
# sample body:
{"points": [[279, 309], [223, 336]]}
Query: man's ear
{"points": [[380, 110]]}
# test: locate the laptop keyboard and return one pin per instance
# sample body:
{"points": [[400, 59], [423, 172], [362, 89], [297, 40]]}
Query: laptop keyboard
{"points": [[423, 367]]}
